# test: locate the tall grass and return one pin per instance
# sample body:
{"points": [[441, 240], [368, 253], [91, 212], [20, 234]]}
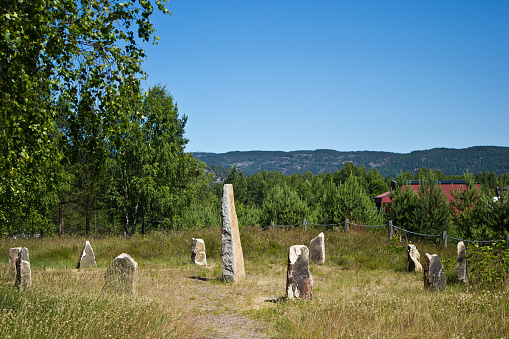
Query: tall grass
{"points": [[363, 290]]}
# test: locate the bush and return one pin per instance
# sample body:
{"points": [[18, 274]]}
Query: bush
{"points": [[488, 264]]}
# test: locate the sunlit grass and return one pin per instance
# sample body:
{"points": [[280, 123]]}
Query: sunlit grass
{"points": [[362, 290]]}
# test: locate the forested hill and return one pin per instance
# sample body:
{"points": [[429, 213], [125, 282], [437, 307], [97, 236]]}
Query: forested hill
{"points": [[449, 161]]}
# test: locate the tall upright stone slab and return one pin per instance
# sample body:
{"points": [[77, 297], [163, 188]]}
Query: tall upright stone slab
{"points": [[434, 273], [122, 275], [461, 264], [414, 257], [23, 271], [299, 282], [198, 255], [317, 249], [232, 257], [87, 258], [13, 256]]}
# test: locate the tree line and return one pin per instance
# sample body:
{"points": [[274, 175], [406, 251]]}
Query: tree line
{"points": [[86, 150], [330, 198]]}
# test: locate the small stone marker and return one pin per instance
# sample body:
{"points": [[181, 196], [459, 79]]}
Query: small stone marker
{"points": [[23, 272], [198, 255], [87, 258], [461, 266], [413, 259], [434, 273], [299, 282], [122, 274], [231, 251], [317, 249], [13, 256]]}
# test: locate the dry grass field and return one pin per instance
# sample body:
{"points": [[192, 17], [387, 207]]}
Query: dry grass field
{"points": [[362, 291]]}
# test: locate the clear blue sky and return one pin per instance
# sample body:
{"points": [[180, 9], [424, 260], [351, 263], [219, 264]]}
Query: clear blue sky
{"points": [[393, 76]]}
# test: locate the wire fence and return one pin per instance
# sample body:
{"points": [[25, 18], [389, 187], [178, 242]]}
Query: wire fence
{"points": [[391, 229], [420, 234]]}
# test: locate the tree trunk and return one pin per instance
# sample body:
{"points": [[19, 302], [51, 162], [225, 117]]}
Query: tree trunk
{"points": [[60, 218], [126, 224], [126, 203], [135, 219]]}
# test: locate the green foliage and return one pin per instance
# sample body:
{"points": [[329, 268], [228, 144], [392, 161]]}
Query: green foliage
{"points": [[283, 206], [377, 187], [239, 182], [248, 215], [463, 205], [66, 58], [488, 265], [155, 181], [425, 212], [203, 215], [348, 200], [435, 215]]}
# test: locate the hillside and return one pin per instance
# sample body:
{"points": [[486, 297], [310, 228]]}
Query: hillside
{"points": [[448, 160]]}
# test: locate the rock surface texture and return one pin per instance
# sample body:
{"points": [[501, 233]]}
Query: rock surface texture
{"points": [[198, 255], [434, 273], [87, 258], [23, 271], [13, 256], [414, 257], [231, 251], [317, 249], [122, 274], [461, 264], [299, 282]]}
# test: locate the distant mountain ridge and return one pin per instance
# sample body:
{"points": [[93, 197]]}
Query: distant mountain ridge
{"points": [[449, 161]]}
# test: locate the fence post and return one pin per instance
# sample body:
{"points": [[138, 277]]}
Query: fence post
{"points": [[444, 238], [347, 225], [272, 224], [390, 229], [507, 240], [304, 224]]}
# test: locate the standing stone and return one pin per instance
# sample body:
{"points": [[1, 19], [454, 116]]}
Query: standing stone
{"points": [[122, 274], [414, 257], [23, 272], [198, 255], [87, 258], [434, 273], [232, 257], [299, 282], [461, 266], [317, 249], [13, 256]]}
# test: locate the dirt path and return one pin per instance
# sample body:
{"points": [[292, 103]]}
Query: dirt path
{"points": [[230, 325], [223, 310]]}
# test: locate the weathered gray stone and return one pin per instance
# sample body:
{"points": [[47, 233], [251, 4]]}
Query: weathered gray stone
{"points": [[13, 256], [414, 257], [317, 249], [23, 271], [87, 258], [198, 255], [299, 282], [461, 265], [434, 273], [122, 275], [232, 257]]}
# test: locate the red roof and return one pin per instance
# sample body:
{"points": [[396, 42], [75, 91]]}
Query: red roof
{"points": [[448, 186]]}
